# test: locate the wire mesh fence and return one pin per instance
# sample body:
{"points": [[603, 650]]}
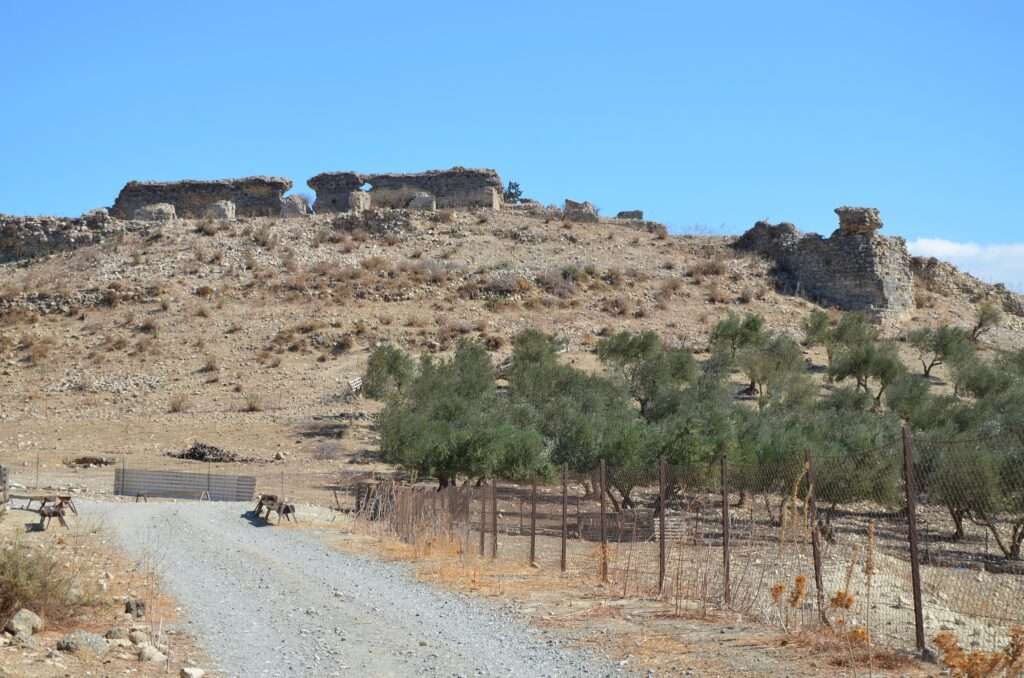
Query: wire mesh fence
{"points": [[758, 542], [935, 550]]}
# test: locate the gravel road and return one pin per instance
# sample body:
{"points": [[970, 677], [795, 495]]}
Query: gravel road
{"points": [[277, 602]]}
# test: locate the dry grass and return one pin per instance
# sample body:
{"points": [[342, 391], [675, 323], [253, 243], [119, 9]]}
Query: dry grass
{"points": [[39, 581]]}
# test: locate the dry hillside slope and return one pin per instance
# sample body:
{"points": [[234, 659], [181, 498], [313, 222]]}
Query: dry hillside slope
{"points": [[242, 333]]}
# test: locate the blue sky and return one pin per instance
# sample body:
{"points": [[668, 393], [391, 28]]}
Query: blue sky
{"points": [[708, 116]]}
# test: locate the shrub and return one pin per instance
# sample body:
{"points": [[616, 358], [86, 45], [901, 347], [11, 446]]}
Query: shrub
{"points": [[36, 580], [253, 403], [328, 452], [619, 305], [375, 264], [265, 237], [708, 267], [445, 216], [715, 293], [179, 403], [149, 326]]}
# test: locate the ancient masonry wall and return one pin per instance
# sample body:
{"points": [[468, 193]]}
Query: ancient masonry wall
{"points": [[456, 187], [252, 196], [29, 237], [854, 269]]}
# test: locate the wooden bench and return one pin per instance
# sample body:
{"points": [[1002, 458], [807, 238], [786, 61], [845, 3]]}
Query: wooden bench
{"points": [[272, 503]]}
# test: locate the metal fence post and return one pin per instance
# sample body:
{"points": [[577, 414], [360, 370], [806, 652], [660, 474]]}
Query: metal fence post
{"points": [[533, 521], [812, 507], [604, 536], [915, 563], [494, 518], [726, 583], [565, 501], [662, 540]]}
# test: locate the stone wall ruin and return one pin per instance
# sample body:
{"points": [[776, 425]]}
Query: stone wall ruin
{"points": [[854, 269], [453, 188], [252, 196], [30, 237]]}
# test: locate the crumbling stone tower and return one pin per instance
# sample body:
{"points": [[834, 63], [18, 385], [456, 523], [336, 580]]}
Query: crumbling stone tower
{"points": [[854, 269]]}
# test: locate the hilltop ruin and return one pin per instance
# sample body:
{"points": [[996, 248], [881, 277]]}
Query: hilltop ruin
{"points": [[194, 199], [456, 187], [854, 269]]}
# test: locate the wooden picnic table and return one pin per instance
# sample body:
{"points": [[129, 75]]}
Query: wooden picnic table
{"points": [[62, 501]]}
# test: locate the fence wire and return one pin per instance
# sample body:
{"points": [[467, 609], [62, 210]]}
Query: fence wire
{"points": [[757, 539]]}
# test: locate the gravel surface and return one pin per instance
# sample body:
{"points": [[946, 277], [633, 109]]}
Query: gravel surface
{"points": [[278, 602]]}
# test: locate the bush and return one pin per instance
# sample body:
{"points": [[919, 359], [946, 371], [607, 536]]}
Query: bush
{"points": [[253, 403], [179, 403], [36, 580], [708, 268]]}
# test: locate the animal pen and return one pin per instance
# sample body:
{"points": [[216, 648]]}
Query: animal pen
{"points": [[738, 538]]}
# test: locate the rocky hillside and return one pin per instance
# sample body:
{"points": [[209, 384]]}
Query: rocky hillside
{"points": [[252, 326]]}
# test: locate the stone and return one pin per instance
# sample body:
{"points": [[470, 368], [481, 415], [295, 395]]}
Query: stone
{"points": [[458, 187], [30, 237], [150, 653], [422, 201], [858, 220], [135, 607], [854, 270], [579, 211], [138, 637], [220, 210], [191, 672], [96, 217], [253, 196], [158, 211], [295, 206], [633, 215], [24, 621], [25, 641], [116, 633], [83, 641]]}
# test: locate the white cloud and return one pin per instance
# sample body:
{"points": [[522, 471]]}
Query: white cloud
{"points": [[992, 263]]}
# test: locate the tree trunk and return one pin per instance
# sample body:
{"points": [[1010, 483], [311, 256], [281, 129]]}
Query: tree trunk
{"points": [[611, 497], [958, 522]]}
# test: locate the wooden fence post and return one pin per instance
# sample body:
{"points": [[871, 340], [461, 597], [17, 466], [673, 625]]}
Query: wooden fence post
{"points": [[565, 501], [915, 562], [812, 507], [726, 582], [533, 521], [494, 518], [662, 539], [483, 517], [604, 536]]}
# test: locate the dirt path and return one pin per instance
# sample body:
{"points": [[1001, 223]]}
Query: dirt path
{"points": [[270, 601]]}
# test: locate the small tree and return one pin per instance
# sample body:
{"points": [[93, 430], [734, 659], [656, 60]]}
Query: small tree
{"points": [[387, 372], [866, 361], [987, 316], [734, 332], [513, 194], [771, 363], [937, 345], [645, 365], [819, 330]]}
